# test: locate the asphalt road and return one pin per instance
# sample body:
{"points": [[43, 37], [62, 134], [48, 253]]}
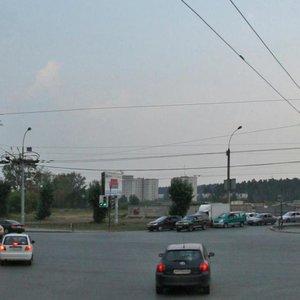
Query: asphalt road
{"points": [[250, 263]]}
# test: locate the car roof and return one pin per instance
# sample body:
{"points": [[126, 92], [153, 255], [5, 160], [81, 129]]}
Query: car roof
{"points": [[17, 234], [185, 246]]}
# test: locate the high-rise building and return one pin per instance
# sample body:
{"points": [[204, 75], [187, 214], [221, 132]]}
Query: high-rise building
{"points": [[143, 188]]}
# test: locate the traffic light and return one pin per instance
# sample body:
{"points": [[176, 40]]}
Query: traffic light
{"points": [[103, 201]]}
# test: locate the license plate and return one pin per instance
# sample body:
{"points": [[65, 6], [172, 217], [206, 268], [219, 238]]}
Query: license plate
{"points": [[15, 248], [182, 272]]}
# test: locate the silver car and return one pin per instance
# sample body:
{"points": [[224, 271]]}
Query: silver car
{"points": [[291, 216]]}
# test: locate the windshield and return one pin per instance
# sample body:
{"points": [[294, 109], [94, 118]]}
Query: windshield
{"points": [[160, 219], [224, 215], [187, 218]]}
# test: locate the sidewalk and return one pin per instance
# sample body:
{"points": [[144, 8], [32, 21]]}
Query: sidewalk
{"points": [[287, 228]]}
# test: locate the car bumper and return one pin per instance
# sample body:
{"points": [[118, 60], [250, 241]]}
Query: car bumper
{"points": [[201, 280], [12, 256], [183, 227], [218, 224]]}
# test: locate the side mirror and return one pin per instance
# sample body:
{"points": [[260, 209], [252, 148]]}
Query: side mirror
{"points": [[210, 254]]}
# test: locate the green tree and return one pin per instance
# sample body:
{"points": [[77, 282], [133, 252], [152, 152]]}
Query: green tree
{"points": [[99, 213], [45, 201], [134, 200], [4, 193], [181, 194], [69, 191]]}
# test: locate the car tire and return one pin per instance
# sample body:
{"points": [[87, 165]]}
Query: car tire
{"points": [[191, 228], [178, 230], [159, 290], [160, 228], [29, 262], [5, 231], [206, 290], [204, 226], [225, 225], [2, 262], [242, 224]]}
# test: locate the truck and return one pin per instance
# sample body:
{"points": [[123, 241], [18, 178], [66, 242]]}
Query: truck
{"points": [[213, 210]]}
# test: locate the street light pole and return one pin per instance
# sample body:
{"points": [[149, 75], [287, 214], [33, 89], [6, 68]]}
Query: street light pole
{"points": [[23, 180], [228, 167]]}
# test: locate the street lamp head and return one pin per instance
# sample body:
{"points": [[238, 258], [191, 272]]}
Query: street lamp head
{"points": [[240, 127], [29, 128]]}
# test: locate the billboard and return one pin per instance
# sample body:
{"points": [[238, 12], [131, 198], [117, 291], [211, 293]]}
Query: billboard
{"points": [[112, 183]]}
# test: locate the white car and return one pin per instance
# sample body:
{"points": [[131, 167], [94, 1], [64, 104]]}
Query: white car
{"points": [[16, 247], [291, 216]]}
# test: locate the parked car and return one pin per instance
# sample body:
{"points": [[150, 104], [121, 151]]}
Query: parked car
{"points": [[265, 219], [230, 219], [251, 217], [12, 226], [163, 223], [16, 247], [192, 222], [184, 265], [291, 216]]}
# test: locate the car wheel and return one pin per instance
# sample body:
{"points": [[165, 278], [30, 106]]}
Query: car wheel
{"points": [[288, 220], [206, 290], [159, 289], [2, 262], [242, 224], [160, 228], [29, 262], [191, 228], [178, 230], [204, 226], [225, 225], [5, 231]]}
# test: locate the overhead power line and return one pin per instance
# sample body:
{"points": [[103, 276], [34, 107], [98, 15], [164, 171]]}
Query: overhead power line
{"points": [[240, 56], [177, 169], [206, 103], [264, 43], [169, 155]]}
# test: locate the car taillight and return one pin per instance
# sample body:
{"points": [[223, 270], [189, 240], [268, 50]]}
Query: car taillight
{"points": [[204, 267], [160, 267], [2, 248], [28, 248]]}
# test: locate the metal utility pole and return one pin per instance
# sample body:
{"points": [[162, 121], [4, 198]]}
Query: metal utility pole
{"points": [[23, 179], [228, 167]]}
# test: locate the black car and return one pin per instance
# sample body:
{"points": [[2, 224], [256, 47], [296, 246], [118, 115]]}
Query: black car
{"points": [[163, 223], [12, 226], [193, 222], [186, 265]]}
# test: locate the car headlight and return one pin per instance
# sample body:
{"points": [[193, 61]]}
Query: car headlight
{"points": [[221, 221]]}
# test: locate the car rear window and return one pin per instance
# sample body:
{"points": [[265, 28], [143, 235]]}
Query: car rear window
{"points": [[180, 255], [20, 240]]}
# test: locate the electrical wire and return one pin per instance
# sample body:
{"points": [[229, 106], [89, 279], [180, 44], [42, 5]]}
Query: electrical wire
{"points": [[169, 155], [179, 168], [264, 43], [240, 56], [142, 106]]}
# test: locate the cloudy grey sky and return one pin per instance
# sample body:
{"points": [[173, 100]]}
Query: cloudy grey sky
{"points": [[144, 86]]}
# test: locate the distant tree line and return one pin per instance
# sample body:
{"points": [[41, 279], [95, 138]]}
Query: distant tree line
{"points": [[257, 191]]}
